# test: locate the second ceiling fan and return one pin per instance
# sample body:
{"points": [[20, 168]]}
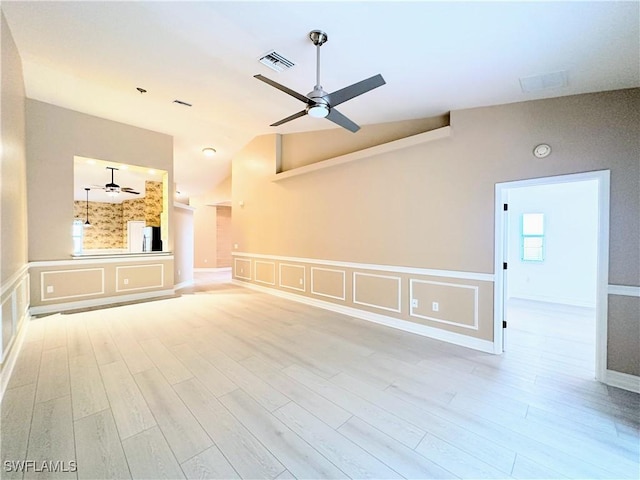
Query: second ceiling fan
{"points": [[321, 104], [112, 189]]}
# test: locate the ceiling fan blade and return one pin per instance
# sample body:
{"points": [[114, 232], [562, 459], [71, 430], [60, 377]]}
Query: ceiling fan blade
{"points": [[336, 117], [129, 190], [282, 88], [347, 93], [289, 118]]}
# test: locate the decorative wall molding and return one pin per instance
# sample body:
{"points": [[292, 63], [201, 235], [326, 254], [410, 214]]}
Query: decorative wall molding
{"points": [[397, 309], [431, 135], [236, 270], [15, 295], [293, 287], [622, 380], [483, 277], [474, 288], [43, 293], [344, 283], [625, 290], [9, 362], [96, 302], [435, 333], [273, 272], [139, 267], [13, 279]]}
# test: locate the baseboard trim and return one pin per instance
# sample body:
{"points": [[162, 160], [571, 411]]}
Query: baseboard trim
{"points": [[97, 302], [624, 381], [435, 333], [14, 351]]}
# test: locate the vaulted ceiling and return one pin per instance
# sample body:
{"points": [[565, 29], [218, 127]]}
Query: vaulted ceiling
{"points": [[435, 57]]}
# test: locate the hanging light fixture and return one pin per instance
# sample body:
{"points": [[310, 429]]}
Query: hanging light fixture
{"points": [[87, 224]]}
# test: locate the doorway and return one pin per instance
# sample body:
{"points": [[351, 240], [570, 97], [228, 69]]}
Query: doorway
{"points": [[551, 269]]}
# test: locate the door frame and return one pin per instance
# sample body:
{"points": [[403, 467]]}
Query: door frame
{"points": [[602, 275]]}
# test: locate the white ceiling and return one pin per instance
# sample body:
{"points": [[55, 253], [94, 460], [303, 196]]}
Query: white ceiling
{"points": [[435, 57]]}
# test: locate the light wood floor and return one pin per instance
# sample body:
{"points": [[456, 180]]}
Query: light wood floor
{"points": [[224, 382]]}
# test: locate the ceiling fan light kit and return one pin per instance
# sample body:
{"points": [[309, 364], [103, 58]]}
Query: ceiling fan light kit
{"points": [[112, 189], [209, 151], [321, 104]]}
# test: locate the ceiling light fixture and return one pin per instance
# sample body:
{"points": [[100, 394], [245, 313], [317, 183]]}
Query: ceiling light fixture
{"points": [[209, 151], [87, 224]]}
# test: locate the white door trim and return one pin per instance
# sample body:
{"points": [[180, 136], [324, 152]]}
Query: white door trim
{"points": [[501, 195]]}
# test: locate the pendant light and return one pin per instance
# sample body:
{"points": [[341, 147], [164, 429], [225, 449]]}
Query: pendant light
{"points": [[87, 224]]}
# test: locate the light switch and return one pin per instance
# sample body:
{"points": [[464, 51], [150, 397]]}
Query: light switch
{"points": [[435, 306], [126, 281], [414, 303]]}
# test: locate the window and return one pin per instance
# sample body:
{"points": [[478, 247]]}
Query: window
{"points": [[533, 237], [77, 232]]}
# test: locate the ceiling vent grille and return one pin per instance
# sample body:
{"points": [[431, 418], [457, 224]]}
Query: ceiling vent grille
{"points": [[276, 61], [535, 83]]}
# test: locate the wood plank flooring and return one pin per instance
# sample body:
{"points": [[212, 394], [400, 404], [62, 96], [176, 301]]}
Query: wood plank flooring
{"points": [[225, 382]]}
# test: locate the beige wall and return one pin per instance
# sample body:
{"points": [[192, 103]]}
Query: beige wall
{"points": [[205, 232], [54, 136], [13, 239], [13, 192], [431, 206], [212, 235], [183, 243], [223, 236]]}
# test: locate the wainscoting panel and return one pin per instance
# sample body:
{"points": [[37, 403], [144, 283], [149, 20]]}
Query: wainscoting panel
{"points": [[293, 277], [14, 304], [383, 294], [449, 303], [378, 291], [242, 268], [328, 282], [265, 272], [71, 284], [8, 315], [60, 285], [139, 277]]}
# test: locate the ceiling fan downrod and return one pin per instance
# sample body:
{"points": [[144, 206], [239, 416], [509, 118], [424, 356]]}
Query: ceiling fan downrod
{"points": [[318, 37]]}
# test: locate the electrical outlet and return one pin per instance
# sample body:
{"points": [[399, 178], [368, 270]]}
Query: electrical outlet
{"points": [[414, 303], [205, 260], [242, 270], [235, 246], [179, 272], [49, 288], [301, 282], [126, 281], [435, 306]]}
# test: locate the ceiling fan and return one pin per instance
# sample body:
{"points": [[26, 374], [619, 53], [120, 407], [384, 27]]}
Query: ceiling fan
{"points": [[112, 189], [321, 104]]}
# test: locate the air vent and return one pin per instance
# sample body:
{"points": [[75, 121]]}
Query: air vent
{"points": [[546, 81], [180, 102], [276, 61]]}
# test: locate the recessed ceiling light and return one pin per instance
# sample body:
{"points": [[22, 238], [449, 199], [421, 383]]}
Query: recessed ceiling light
{"points": [[123, 167], [152, 171], [91, 162], [209, 152]]}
